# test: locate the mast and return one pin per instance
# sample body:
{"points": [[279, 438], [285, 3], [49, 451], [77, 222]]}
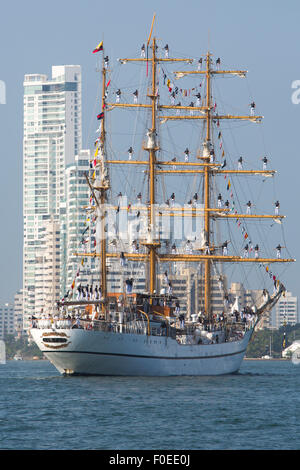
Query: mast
{"points": [[152, 158], [207, 263], [103, 189]]}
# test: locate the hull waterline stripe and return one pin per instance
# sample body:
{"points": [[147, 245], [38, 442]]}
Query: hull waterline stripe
{"points": [[148, 357]]}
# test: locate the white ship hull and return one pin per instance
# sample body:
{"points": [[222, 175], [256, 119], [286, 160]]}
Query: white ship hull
{"points": [[85, 352]]}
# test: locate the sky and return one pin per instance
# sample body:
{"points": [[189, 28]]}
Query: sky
{"points": [[261, 36]]}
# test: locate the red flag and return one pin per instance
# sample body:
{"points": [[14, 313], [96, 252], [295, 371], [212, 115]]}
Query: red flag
{"points": [[100, 116], [99, 47]]}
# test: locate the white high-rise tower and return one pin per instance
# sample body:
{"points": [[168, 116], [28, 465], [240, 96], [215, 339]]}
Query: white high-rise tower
{"points": [[52, 137]]}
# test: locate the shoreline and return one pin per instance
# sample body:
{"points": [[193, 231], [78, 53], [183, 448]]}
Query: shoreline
{"points": [[262, 359]]}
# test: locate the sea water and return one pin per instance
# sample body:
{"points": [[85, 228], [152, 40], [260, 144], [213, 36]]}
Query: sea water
{"points": [[258, 408]]}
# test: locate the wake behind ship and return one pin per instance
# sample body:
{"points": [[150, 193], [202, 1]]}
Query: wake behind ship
{"points": [[128, 332]]}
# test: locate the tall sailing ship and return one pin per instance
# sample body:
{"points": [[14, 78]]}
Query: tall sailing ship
{"points": [[175, 222]]}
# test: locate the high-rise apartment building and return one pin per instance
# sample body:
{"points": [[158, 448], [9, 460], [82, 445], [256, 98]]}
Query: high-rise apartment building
{"points": [[18, 312], [52, 137], [286, 310], [7, 325]]}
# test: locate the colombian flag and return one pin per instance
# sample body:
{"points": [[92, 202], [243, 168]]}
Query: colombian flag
{"points": [[99, 47]]}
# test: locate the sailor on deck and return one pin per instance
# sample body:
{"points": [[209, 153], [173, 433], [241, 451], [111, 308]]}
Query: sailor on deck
{"points": [[79, 292], [129, 283], [96, 293], [181, 319], [188, 247]]}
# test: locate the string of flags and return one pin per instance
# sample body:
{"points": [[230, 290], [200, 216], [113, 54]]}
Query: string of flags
{"points": [[240, 225], [89, 219]]}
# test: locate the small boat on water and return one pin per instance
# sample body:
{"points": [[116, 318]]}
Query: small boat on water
{"points": [[2, 352], [18, 357]]}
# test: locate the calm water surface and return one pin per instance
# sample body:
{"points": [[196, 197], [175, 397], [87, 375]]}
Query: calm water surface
{"points": [[258, 408]]}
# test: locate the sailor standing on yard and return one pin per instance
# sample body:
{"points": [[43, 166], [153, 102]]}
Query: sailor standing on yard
{"points": [[265, 161], [130, 153], [278, 248], [240, 163], [135, 96], [256, 250], [220, 200], [225, 248], [143, 55], [186, 155], [118, 95], [252, 108], [249, 205], [277, 205]]}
